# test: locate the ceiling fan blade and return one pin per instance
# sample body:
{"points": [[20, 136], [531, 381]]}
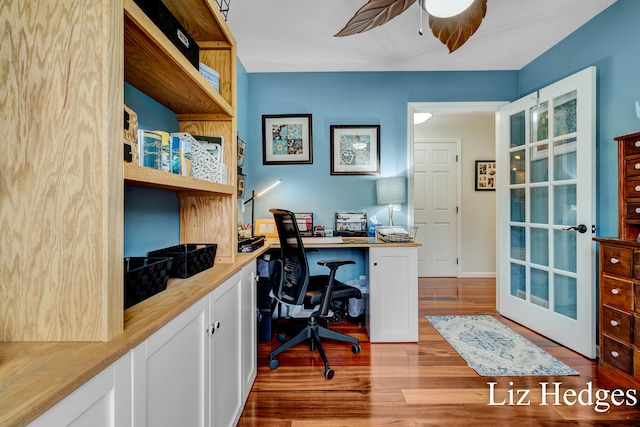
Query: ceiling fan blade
{"points": [[455, 31], [373, 14]]}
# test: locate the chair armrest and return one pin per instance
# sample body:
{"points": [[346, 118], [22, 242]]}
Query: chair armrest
{"points": [[335, 263]]}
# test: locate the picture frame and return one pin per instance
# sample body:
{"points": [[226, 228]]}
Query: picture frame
{"points": [[485, 175], [287, 139], [355, 149]]}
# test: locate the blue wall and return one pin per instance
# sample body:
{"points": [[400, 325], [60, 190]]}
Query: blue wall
{"points": [[610, 41], [353, 98]]}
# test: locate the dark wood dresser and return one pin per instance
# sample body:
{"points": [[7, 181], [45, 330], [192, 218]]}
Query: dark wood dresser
{"points": [[619, 270]]}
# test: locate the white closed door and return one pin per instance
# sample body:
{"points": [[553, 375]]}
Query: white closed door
{"points": [[435, 206], [546, 212]]}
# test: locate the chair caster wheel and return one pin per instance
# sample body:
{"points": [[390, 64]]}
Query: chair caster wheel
{"points": [[356, 348], [328, 373], [282, 337], [273, 364]]}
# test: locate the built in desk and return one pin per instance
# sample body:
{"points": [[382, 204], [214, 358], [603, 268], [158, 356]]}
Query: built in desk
{"points": [[392, 272]]}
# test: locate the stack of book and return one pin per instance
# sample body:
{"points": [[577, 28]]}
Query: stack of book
{"points": [[210, 75]]}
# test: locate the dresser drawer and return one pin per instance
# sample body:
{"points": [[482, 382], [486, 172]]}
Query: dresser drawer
{"points": [[617, 293], [632, 166], [632, 147], [633, 211], [617, 324], [632, 188], [617, 261], [636, 331], [617, 354]]}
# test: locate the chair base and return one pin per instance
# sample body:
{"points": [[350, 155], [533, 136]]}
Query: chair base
{"points": [[314, 332]]}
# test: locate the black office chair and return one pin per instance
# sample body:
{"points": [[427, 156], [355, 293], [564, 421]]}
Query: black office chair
{"points": [[306, 296]]}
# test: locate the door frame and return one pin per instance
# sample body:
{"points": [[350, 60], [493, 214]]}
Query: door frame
{"points": [[445, 107]]}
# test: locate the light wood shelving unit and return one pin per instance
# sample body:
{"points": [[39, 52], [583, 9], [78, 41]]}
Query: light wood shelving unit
{"points": [[62, 189]]}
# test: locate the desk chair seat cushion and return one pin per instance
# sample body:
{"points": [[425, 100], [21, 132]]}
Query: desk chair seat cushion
{"points": [[315, 290]]}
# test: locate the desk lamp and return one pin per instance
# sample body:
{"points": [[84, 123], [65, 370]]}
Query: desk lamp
{"points": [[390, 191], [254, 196]]}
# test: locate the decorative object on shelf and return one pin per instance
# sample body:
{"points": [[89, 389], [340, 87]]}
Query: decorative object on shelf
{"points": [[169, 25], [453, 22], [210, 75], [351, 224], [242, 146], [188, 259], [396, 233], [485, 175], [391, 191], [252, 200], [149, 146], [131, 136], [240, 181], [287, 139], [144, 277], [355, 149], [224, 7], [165, 150], [198, 157]]}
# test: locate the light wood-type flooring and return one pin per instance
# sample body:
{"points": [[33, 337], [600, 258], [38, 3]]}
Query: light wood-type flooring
{"points": [[423, 384]]}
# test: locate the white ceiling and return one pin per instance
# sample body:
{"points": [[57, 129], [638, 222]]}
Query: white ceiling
{"points": [[297, 36]]}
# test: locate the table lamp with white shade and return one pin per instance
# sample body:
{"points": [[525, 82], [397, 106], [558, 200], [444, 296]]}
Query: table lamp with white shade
{"points": [[390, 191]]}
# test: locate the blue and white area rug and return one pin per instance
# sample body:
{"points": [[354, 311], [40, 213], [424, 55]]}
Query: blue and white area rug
{"points": [[494, 350]]}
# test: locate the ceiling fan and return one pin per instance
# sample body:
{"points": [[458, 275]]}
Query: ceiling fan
{"points": [[451, 21]]}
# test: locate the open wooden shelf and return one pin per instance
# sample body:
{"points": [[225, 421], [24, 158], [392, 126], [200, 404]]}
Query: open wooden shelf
{"points": [[141, 176], [156, 67]]}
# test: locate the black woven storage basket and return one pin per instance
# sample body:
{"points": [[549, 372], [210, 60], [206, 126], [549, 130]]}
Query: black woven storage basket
{"points": [[144, 277], [188, 259]]}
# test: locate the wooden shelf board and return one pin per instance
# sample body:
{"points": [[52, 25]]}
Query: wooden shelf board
{"points": [[156, 67], [151, 178]]}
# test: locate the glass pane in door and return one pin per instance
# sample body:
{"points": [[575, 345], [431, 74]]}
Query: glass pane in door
{"points": [[540, 122], [564, 159], [540, 287], [518, 281], [540, 163], [565, 119], [517, 129], [539, 205], [517, 167], [517, 204], [565, 295], [564, 249], [540, 246], [518, 243], [564, 205]]}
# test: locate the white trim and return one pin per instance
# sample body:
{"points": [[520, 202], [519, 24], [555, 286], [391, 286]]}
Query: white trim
{"points": [[444, 107], [478, 275]]}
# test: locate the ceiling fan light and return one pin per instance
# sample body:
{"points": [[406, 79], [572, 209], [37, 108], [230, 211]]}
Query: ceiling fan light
{"points": [[446, 8]]}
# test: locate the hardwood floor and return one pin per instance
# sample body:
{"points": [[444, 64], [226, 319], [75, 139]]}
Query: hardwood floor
{"points": [[423, 384]]}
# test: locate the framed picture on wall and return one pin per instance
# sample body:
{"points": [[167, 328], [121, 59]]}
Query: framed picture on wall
{"points": [[485, 175], [355, 149], [287, 139]]}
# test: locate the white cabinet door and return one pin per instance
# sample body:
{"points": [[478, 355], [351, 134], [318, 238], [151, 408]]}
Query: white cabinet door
{"points": [[103, 401], [249, 328], [393, 297], [170, 373], [225, 308]]}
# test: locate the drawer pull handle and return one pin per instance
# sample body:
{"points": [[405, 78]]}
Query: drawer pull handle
{"points": [[615, 291], [637, 144], [637, 210], [614, 260], [637, 188], [637, 166], [614, 323], [615, 354]]}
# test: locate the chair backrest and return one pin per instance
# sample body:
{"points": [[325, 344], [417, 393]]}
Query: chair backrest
{"points": [[295, 268]]}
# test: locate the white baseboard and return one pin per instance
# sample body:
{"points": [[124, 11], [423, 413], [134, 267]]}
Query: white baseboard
{"points": [[479, 275]]}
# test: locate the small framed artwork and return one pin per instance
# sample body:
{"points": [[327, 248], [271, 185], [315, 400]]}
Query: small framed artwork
{"points": [[355, 149], [287, 139], [485, 175]]}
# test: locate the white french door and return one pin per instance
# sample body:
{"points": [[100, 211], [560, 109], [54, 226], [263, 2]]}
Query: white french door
{"points": [[546, 212]]}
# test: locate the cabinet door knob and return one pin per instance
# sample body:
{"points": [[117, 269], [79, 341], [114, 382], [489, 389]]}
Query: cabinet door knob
{"points": [[614, 323], [637, 210], [615, 354], [637, 144], [615, 291], [637, 188], [614, 260], [637, 166]]}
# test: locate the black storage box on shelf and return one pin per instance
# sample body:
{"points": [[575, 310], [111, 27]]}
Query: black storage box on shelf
{"points": [[188, 259], [169, 25], [144, 277]]}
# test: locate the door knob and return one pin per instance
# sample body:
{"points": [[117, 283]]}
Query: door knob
{"points": [[580, 228]]}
